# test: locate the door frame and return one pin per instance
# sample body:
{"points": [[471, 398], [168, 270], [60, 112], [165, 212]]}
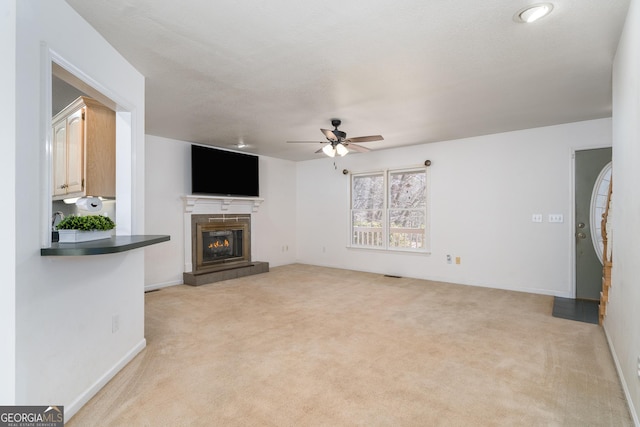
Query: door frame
{"points": [[572, 229]]}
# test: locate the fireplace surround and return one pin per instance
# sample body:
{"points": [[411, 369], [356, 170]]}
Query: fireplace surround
{"points": [[218, 239]]}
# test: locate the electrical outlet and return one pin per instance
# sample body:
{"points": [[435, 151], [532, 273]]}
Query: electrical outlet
{"points": [[458, 260], [115, 323], [448, 259]]}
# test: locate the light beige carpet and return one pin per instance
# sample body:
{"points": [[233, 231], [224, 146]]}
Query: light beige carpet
{"points": [[313, 346]]}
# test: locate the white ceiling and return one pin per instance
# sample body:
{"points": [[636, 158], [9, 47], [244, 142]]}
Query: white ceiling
{"points": [[414, 71]]}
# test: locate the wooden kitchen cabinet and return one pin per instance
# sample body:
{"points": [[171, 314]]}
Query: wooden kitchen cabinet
{"points": [[84, 150]]}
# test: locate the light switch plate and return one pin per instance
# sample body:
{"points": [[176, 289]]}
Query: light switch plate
{"points": [[556, 218], [536, 218]]}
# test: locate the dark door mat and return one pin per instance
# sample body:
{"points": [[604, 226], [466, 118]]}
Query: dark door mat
{"points": [[576, 309]]}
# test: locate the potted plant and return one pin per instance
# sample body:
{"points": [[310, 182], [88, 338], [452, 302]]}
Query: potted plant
{"points": [[75, 228]]}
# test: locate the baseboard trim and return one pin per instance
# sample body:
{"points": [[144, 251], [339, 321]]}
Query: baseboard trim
{"points": [[452, 280], [625, 388], [156, 286], [74, 407]]}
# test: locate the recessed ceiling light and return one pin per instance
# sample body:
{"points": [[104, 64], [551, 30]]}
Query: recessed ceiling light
{"points": [[533, 12]]}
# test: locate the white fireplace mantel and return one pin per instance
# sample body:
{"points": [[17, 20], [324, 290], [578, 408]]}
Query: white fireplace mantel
{"points": [[214, 205], [221, 204]]}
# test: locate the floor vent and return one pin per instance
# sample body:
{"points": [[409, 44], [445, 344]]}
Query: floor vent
{"points": [[392, 276]]}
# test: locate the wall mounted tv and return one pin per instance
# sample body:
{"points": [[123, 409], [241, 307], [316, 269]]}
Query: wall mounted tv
{"points": [[223, 173]]}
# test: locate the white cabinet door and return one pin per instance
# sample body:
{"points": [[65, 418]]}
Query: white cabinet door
{"points": [[60, 158], [75, 152]]}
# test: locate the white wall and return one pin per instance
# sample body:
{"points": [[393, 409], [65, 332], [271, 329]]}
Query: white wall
{"points": [[483, 193], [8, 193], [622, 323], [275, 222], [168, 179], [63, 305]]}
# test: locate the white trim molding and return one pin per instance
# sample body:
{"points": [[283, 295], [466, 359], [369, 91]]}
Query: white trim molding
{"points": [[625, 386], [71, 409], [221, 204]]}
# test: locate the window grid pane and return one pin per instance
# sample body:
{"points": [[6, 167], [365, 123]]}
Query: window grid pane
{"points": [[407, 189], [367, 192], [367, 227], [407, 228]]}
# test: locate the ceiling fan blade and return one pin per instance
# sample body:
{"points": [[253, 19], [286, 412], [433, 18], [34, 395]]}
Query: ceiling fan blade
{"points": [[366, 138], [329, 134], [305, 142], [358, 148]]}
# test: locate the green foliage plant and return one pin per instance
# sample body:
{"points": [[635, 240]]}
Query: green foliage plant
{"points": [[86, 223]]}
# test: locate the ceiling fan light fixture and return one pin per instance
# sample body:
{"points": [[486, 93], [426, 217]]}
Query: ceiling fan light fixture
{"points": [[339, 143], [329, 150], [533, 12]]}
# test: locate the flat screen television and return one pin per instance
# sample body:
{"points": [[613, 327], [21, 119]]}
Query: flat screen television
{"points": [[223, 173]]}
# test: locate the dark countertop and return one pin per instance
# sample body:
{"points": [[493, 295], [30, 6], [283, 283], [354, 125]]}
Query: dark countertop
{"points": [[112, 245]]}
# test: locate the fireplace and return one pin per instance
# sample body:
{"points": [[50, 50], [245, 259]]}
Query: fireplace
{"points": [[217, 239], [220, 241]]}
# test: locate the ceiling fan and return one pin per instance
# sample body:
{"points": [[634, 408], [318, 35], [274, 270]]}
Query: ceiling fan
{"points": [[339, 143]]}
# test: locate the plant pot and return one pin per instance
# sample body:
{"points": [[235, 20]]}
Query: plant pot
{"points": [[76, 236]]}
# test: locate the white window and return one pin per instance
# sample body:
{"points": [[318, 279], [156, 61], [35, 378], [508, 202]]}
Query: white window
{"points": [[389, 210], [367, 210]]}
